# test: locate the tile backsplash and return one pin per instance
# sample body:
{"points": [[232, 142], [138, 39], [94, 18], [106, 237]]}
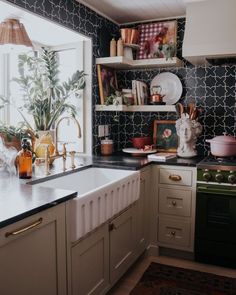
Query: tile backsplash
{"points": [[212, 88]]}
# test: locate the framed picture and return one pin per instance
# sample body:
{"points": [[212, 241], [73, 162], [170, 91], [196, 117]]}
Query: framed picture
{"points": [[164, 136], [107, 82], [158, 40]]}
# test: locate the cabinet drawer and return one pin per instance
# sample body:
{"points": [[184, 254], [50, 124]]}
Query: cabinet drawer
{"points": [[174, 232], [175, 202], [176, 177]]}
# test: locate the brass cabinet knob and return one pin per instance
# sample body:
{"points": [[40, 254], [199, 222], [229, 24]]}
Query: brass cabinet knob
{"points": [[175, 177], [174, 203], [172, 233]]}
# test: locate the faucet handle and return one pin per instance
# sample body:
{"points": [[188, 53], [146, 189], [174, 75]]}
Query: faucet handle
{"points": [[72, 154], [64, 148], [47, 159]]}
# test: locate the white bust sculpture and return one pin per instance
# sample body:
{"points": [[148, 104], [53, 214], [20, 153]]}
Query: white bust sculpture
{"points": [[188, 130]]}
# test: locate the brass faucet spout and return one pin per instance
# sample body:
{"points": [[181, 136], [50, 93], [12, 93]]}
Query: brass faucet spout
{"points": [[57, 127]]}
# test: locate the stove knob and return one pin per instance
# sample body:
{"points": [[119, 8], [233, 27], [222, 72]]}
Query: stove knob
{"points": [[219, 177], [232, 178], [206, 176]]}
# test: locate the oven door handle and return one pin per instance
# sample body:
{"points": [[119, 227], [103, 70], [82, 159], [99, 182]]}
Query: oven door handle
{"points": [[215, 190]]}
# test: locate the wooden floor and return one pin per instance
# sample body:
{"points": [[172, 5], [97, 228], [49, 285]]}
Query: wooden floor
{"points": [[127, 283]]}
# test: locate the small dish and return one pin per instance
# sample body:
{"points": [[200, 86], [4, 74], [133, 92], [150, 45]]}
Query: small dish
{"points": [[138, 152]]}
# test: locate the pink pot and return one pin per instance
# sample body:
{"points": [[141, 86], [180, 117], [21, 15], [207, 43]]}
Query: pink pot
{"points": [[223, 146]]}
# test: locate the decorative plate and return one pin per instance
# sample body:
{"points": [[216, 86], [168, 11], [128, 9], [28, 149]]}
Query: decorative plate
{"points": [[171, 87], [138, 152]]}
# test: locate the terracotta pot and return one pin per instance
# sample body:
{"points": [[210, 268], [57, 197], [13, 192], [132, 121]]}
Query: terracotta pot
{"points": [[140, 142], [15, 142], [223, 146]]}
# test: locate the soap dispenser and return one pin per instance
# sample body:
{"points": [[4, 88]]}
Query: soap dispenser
{"points": [[24, 160]]}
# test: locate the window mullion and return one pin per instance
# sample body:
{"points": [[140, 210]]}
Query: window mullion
{"points": [[6, 86]]}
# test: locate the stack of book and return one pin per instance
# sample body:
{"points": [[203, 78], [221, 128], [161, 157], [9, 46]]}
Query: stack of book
{"points": [[140, 92], [161, 156]]}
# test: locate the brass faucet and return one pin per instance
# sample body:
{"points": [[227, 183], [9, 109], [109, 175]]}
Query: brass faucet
{"points": [[49, 159], [57, 127]]}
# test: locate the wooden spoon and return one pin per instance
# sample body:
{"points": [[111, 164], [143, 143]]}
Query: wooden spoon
{"points": [[179, 108], [191, 107]]}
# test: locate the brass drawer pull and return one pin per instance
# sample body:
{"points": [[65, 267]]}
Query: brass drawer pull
{"points": [[23, 229], [172, 233], [175, 177]]}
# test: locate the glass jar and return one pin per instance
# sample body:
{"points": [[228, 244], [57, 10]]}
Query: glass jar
{"points": [[106, 147]]}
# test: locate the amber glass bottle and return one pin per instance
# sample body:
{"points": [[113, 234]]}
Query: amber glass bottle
{"points": [[24, 160]]}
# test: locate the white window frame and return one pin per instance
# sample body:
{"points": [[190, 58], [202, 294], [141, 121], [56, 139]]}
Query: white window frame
{"points": [[84, 62], [79, 47], [84, 51], [4, 86]]}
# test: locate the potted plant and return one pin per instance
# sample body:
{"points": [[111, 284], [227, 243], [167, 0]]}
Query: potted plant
{"points": [[12, 135], [45, 97]]}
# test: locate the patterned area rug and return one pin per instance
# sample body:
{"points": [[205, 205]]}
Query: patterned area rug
{"points": [[160, 279]]}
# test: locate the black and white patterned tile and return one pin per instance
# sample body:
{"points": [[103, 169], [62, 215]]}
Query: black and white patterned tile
{"points": [[212, 88]]}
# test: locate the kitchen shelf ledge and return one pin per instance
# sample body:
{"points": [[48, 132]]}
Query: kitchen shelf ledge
{"points": [[135, 108], [121, 62]]}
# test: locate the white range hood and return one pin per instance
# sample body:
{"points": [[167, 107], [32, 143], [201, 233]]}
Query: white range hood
{"points": [[210, 30]]}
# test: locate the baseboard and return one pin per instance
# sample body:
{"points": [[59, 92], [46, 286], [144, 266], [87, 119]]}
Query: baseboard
{"points": [[176, 253]]}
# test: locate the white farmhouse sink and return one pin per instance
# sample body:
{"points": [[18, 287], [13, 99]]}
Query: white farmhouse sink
{"points": [[102, 193]]}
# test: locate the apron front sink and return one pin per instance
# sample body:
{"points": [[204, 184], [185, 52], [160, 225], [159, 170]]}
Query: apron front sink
{"points": [[102, 193]]}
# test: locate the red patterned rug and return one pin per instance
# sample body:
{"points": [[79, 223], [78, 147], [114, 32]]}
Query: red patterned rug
{"points": [[160, 279]]}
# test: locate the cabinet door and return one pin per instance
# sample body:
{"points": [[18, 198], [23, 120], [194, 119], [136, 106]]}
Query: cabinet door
{"points": [[122, 238], [90, 263], [142, 212], [33, 256]]}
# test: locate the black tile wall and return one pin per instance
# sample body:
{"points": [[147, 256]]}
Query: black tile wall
{"points": [[211, 88]]}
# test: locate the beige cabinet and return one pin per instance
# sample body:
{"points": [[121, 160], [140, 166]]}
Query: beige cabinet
{"points": [[90, 263], [33, 255], [142, 212], [99, 259], [122, 243], [176, 193]]}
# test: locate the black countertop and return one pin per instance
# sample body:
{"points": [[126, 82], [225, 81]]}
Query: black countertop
{"points": [[124, 161], [20, 199]]}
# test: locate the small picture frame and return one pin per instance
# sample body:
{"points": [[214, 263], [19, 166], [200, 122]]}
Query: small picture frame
{"points": [[107, 82], [165, 137]]}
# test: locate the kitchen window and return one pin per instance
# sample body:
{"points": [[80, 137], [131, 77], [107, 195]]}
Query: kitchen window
{"points": [[71, 59], [74, 52]]}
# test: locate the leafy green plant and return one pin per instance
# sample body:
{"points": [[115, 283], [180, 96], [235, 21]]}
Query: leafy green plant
{"points": [[45, 97], [13, 131]]}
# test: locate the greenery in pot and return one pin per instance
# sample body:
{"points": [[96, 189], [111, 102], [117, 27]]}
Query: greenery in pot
{"points": [[12, 135], [45, 97]]}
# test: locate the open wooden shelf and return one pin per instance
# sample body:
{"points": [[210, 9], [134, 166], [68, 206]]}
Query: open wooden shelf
{"points": [[135, 108], [121, 62]]}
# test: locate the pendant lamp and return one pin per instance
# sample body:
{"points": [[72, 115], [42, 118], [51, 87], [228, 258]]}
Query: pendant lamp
{"points": [[13, 36]]}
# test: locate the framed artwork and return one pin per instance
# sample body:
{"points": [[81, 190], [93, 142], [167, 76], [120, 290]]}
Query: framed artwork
{"points": [[158, 40], [165, 137], [107, 82]]}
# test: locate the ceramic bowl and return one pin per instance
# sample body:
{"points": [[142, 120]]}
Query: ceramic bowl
{"points": [[140, 142]]}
